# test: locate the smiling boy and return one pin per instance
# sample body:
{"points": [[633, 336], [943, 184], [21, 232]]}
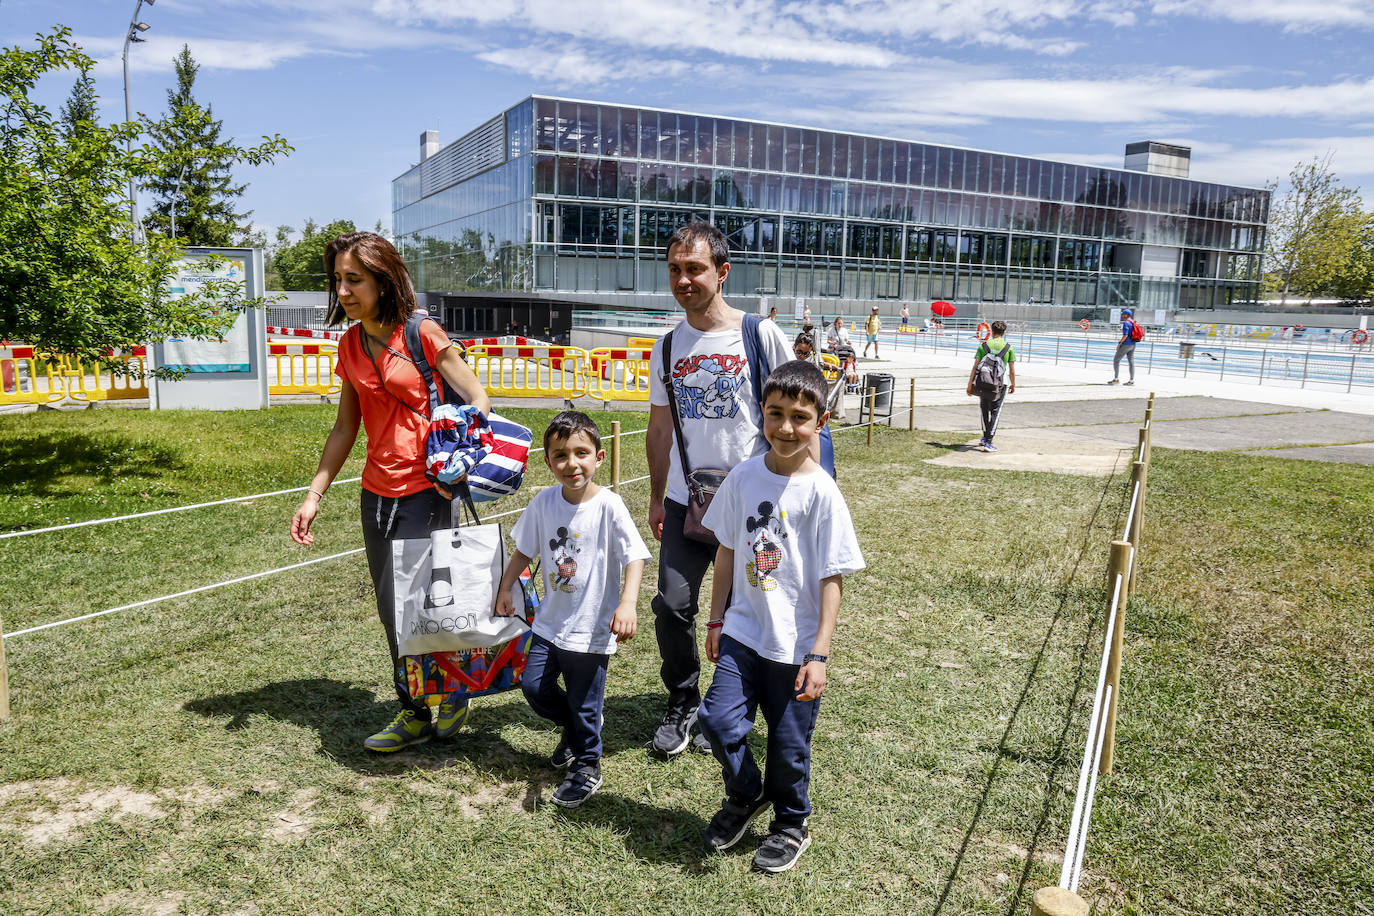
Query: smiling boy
{"points": [[772, 642], [584, 536]]}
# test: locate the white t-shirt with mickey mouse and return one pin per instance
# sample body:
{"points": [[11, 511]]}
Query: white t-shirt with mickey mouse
{"points": [[722, 423], [788, 533], [582, 549]]}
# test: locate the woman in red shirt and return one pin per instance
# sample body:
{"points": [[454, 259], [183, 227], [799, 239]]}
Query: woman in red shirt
{"points": [[383, 390]]}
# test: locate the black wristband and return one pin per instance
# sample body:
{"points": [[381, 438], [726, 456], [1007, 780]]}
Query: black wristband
{"points": [[813, 657]]}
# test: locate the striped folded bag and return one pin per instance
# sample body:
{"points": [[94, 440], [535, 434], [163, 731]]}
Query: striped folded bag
{"points": [[491, 450]]}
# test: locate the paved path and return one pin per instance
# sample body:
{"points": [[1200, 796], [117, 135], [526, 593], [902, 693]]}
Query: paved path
{"points": [[1068, 415]]}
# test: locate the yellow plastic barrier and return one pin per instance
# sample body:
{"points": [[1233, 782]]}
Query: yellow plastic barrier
{"points": [[641, 343], [619, 373], [830, 365], [305, 368], [531, 371], [118, 377], [26, 379]]}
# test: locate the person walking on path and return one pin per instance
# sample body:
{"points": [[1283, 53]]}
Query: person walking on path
{"points": [[992, 378], [906, 316], [871, 328], [710, 378], [1125, 347], [384, 391]]}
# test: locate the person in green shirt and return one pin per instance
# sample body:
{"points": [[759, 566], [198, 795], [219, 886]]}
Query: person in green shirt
{"points": [[992, 378]]}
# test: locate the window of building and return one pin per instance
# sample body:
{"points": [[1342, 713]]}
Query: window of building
{"points": [[841, 163]]}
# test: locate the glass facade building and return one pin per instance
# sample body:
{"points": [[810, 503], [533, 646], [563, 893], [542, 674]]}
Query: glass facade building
{"points": [[557, 197]]}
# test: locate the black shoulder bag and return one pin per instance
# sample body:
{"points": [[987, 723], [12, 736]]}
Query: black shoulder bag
{"points": [[702, 483]]}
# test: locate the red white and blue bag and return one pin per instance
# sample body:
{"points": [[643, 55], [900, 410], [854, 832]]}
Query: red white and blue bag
{"points": [[490, 449]]}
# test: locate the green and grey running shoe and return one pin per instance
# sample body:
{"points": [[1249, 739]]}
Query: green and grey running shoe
{"points": [[406, 729], [453, 715]]}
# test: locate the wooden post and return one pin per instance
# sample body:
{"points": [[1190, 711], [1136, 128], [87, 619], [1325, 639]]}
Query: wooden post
{"points": [[911, 415], [4, 680], [1141, 443], [1139, 473], [1055, 901], [1117, 566], [615, 456], [872, 394]]}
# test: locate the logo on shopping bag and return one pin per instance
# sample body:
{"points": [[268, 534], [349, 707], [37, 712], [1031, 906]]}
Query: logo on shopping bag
{"points": [[433, 625]]}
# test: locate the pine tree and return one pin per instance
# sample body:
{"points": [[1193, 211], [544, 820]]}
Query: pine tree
{"points": [[195, 197], [80, 106]]}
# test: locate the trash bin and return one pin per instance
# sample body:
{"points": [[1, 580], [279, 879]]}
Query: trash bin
{"points": [[881, 384], [1185, 349]]}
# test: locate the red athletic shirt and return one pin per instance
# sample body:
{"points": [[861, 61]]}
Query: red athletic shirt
{"points": [[395, 433]]}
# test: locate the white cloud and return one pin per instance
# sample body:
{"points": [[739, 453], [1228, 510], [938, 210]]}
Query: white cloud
{"points": [[1292, 15], [155, 53], [1352, 159]]}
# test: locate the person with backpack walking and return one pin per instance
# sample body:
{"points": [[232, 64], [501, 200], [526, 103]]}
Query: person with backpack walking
{"points": [[1131, 334], [993, 378], [384, 391]]}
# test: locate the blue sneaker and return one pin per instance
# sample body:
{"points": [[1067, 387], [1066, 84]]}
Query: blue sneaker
{"points": [[453, 715], [989, 447]]}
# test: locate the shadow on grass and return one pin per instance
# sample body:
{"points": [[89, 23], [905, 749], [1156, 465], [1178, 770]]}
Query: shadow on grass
{"points": [[1056, 758], [38, 463], [344, 714], [954, 446]]}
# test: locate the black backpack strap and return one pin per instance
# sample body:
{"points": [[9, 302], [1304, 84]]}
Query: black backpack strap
{"points": [[417, 355], [672, 406], [753, 354]]}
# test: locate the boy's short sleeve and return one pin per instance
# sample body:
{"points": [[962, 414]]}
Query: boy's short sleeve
{"points": [[839, 548], [525, 534], [720, 515], [628, 544], [982, 351]]}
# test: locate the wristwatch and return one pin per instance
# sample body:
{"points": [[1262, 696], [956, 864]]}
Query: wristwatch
{"points": [[813, 657]]}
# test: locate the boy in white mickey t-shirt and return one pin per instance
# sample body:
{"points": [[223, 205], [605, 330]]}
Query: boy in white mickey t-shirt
{"points": [[786, 542], [583, 535]]}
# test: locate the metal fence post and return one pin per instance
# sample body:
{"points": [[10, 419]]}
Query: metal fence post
{"points": [[1351, 381], [4, 679], [1118, 566], [1085, 349], [911, 414], [615, 456], [1223, 363], [1056, 349], [872, 394]]}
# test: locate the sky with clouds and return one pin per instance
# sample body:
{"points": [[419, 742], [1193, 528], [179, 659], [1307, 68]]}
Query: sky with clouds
{"points": [[1253, 86]]}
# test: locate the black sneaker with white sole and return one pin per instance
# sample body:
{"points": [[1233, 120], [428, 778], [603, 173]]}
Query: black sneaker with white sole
{"points": [[580, 785], [562, 756], [782, 849], [676, 731], [732, 820]]}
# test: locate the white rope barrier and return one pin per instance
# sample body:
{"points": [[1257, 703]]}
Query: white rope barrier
{"points": [[1078, 826], [1130, 513], [1092, 790], [125, 518], [235, 581], [215, 502]]}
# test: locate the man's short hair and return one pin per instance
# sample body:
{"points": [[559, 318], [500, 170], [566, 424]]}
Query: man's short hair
{"points": [[568, 422], [799, 379], [701, 231], [999, 328]]}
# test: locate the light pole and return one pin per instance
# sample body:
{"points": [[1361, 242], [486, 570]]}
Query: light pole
{"points": [[134, 28]]}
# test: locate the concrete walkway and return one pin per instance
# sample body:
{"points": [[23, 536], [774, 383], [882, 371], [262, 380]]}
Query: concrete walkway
{"points": [[1069, 415]]}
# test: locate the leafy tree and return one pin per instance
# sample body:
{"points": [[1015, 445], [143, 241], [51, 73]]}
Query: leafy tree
{"points": [[195, 194], [1313, 228], [1355, 280], [72, 279], [80, 106], [300, 264]]}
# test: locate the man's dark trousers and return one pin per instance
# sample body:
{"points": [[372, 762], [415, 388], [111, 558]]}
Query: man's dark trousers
{"points": [[682, 565]]}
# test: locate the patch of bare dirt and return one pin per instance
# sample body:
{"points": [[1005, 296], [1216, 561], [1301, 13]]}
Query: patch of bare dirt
{"points": [[1031, 453], [168, 904], [295, 821], [49, 810]]}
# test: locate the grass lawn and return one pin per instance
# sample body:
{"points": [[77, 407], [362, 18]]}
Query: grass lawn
{"points": [[202, 755]]}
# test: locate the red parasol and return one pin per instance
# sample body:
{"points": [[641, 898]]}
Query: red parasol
{"points": [[943, 309]]}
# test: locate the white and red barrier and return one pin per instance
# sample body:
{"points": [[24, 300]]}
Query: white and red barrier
{"points": [[305, 332]]}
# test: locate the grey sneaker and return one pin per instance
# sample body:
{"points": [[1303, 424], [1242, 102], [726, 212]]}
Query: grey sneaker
{"points": [[782, 849], [406, 729], [453, 715], [731, 821], [1114, 382], [672, 736], [701, 744], [580, 785]]}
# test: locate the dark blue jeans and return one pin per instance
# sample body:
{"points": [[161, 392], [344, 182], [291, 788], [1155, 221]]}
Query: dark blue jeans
{"points": [[577, 710], [385, 519], [744, 683]]}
